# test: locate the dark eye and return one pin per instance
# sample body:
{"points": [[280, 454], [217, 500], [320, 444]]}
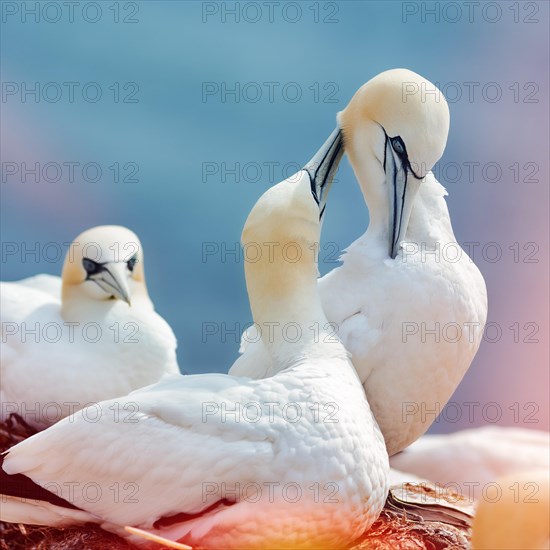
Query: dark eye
{"points": [[131, 263], [398, 145], [91, 267]]}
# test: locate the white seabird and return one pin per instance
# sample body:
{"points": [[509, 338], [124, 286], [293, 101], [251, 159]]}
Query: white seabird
{"points": [[408, 303], [292, 461], [471, 459], [502, 470], [88, 336]]}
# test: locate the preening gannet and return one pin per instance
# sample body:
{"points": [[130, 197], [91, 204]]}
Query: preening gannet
{"points": [[216, 461], [407, 303], [88, 336]]}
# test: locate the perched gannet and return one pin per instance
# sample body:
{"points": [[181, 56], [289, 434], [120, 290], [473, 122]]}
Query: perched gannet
{"points": [[518, 517], [292, 461], [472, 459], [407, 303], [89, 336]]}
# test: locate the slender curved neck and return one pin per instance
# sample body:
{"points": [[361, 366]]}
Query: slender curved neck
{"points": [[285, 303], [379, 216]]}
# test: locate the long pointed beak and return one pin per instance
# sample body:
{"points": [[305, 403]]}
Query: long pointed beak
{"points": [[323, 166], [402, 189], [113, 280]]}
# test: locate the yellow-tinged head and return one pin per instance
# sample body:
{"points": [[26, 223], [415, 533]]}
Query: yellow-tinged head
{"points": [[285, 213], [281, 239], [104, 263], [395, 129]]}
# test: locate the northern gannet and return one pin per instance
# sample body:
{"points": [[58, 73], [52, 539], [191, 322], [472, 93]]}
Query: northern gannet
{"points": [[502, 471], [407, 303], [88, 336], [292, 461], [470, 460]]}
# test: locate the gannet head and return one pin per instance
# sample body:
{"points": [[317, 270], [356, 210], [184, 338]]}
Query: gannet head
{"points": [[395, 129], [282, 231], [104, 263], [286, 213], [291, 210]]}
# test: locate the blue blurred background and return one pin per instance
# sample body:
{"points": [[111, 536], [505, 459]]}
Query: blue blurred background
{"points": [[162, 70]]}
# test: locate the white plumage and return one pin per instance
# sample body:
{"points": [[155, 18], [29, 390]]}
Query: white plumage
{"points": [[292, 461], [71, 341], [411, 319], [472, 459]]}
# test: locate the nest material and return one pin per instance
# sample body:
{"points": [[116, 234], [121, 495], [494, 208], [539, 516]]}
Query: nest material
{"points": [[12, 431], [395, 529], [34, 537]]}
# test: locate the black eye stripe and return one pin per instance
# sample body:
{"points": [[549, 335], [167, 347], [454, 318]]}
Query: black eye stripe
{"points": [[398, 145], [131, 263], [91, 267]]}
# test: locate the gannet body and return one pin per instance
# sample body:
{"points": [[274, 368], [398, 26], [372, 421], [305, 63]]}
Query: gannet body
{"points": [[218, 461], [472, 459], [503, 471], [71, 341], [411, 319]]}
